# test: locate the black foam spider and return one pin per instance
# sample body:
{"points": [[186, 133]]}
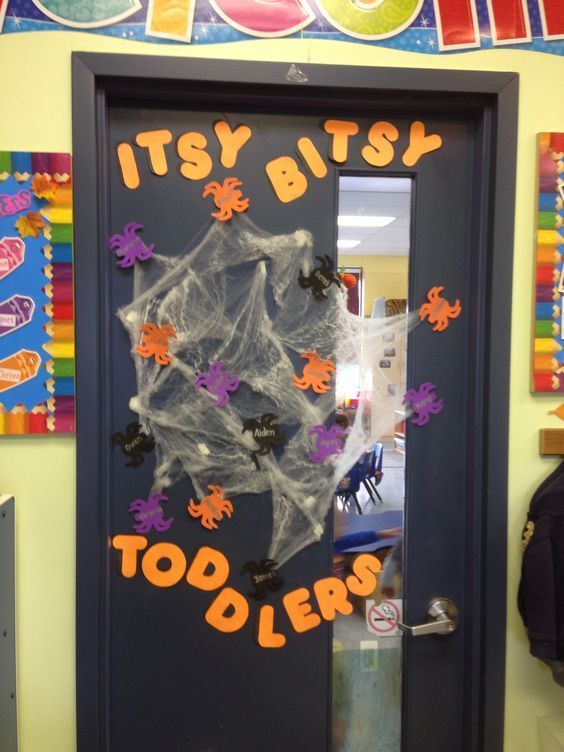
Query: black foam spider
{"points": [[320, 278], [264, 432], [264, 577], [133, 443]]}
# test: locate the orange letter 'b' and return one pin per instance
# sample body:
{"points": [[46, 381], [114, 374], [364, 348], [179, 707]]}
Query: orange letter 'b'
{"points": [[288, 182]]}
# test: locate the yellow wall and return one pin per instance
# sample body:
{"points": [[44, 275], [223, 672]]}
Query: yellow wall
{"points": [[384, 276], [36, 115]]}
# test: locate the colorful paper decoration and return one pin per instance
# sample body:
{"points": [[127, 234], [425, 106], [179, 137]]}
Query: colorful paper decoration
{"points": [[149, 514], [559, 411], [12, 255], [129, 247], [154, 342], [219, 382], [316, 373], [265, 433], [424, 403], [329, 442], [18, 368], [134, 443], [438, 311], [321, 277], [15, 312], [547, 351], [227, 197], [36, 195], [264, 577], [211, 508]]}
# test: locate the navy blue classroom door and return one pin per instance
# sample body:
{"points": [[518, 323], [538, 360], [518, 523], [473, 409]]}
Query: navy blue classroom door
{"points": [[167, 680]]}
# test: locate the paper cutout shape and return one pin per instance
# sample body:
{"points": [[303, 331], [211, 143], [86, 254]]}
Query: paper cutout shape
{"points": [[316, 374], [227, 198], [211, 508], [15, 312], [154, 342], [149, 514], [320, 279], [44, 186], [88, 14], [424, 402], [133, 444], [559, 411], [329, 442], [12, 255], [264, 577], [264, 432], [129, 247], [31, 224], [13, 203], [438, 310], [219, 382], [18, 368]]}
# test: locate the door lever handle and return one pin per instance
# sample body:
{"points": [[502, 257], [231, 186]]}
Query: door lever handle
{"points": [[442, 619]]}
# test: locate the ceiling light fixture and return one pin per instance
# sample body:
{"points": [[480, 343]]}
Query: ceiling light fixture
{"points": [[348, 243], [363, 220]]}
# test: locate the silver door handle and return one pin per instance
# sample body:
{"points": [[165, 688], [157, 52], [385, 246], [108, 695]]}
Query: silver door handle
{"points": [[442, 619]]}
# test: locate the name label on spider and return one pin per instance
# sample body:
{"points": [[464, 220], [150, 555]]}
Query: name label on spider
{"points": [[165, 565]]}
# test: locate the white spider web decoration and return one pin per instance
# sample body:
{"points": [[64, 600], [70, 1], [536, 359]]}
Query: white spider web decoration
{"points": [[235, 298]]}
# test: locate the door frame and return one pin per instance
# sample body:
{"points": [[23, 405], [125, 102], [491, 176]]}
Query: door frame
{"points": [[100, 78]]}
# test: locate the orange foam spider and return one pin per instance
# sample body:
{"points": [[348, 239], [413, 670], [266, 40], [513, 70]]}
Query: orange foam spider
{"points": [[227, 198], [154, 342], [316, 374]]}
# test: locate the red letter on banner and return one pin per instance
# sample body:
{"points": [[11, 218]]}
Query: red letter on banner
{"points": [[457, 24], [265, 19], [509, 21], [552, 18]]}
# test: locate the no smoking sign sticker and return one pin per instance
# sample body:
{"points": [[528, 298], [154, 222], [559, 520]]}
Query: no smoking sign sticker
{"points": [[382, 619]]}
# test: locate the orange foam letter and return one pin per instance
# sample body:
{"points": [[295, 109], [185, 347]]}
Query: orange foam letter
{"points": [[380, 152], [129, 545], [340, 130], [288, 182], [228, 600], [312, 157], [128, 166], [299, 610], [155, 142], [420, 144], [266, 636], [157, 576], [332, 596], [208, 557], [197, 163], [363, 581], [231, 141]]}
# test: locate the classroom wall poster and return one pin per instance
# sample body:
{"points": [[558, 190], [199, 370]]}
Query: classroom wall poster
{"points": [[426, 26], [548, 335], [36, 294]]}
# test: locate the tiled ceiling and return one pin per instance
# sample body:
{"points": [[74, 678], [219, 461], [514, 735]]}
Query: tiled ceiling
{"points": [[376, 196]]}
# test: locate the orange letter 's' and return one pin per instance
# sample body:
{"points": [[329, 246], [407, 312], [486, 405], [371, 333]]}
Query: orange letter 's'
{"points": [[197, 163], [380, 152], [363, 581]]}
